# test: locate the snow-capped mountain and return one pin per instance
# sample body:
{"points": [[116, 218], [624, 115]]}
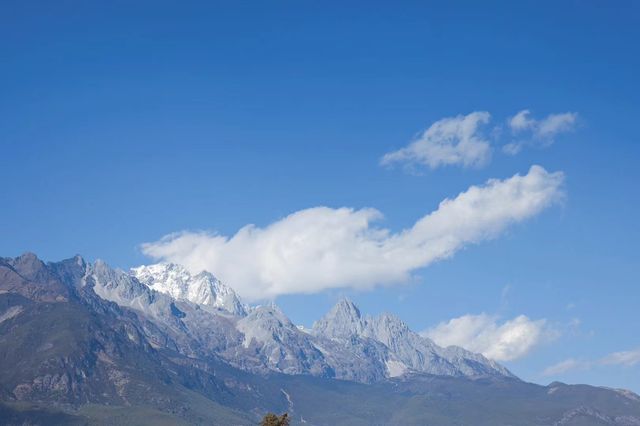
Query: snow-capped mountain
{"points": [[343, 344], [84, 333], [201, 289]]}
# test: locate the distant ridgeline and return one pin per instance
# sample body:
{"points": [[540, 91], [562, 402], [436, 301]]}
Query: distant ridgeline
{"points": [[82, 343]]}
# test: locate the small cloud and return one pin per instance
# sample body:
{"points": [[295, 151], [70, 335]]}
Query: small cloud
{"points": [[564, 366], [555, 124], [521, 121], [447, 142], [513, 148], [622, 358], [541, 133], [500, 341], [459, 140]]}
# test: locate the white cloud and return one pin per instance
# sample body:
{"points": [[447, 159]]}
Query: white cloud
{"points": [[449, 141], [321, 248], [625, 358], [556, 123], [459, 140], [622, 358], [513, 148], [564, 366], [483, 333], [521, 121], [530, 131]]}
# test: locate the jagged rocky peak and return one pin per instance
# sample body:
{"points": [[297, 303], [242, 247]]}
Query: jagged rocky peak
{"points": [[116, 285], [387, 328], [203, 288], [344, 343], [27, 257], [28, 265], [270, 313], [29, 276], [342, 321], [265, 323], [404, 350], [100, 270], [71, 271]]}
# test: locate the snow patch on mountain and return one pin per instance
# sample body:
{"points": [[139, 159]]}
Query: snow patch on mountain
{"points": [[190, 314], [201, 289]]}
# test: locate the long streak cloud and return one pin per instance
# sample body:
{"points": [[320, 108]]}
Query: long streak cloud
{"points": [[321, 248]]}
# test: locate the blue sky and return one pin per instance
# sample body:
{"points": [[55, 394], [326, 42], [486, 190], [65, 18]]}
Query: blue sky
{"points": [[123, 123]]}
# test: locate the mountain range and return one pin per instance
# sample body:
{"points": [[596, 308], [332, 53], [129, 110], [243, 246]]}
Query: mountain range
{"points": [[84, 343]]}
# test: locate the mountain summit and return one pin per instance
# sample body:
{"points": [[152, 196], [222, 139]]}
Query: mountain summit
{"points": [[342, 321], [343, 344], [201, 289], [74, 333], [404, 350]]}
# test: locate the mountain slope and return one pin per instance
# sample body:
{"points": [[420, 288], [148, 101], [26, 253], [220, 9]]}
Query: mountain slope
{"points": [[76, 348], [69, 354], [406, 350], [342, 345]]}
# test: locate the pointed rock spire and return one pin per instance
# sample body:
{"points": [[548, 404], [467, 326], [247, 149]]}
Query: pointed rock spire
{"points": [[342, 321]]}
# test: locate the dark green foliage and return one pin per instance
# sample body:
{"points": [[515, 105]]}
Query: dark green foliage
{"points": [[271, 419]]}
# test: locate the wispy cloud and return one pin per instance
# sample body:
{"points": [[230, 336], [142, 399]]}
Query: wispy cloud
{"points": [[625, 358], [449, 141], [622, 358], [320, 248], [500, 341], [528, 131], [564, 366], [461, 141]]}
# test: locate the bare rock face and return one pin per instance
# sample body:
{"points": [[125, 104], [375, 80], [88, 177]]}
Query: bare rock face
{"points": [[279, 344], [200, 316], [343, 321], [73, 333], [29, 276], [60, 342], [404, 350]]}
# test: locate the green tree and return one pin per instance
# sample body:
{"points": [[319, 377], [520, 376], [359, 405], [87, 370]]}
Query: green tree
{"points": [[271, 419]]}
